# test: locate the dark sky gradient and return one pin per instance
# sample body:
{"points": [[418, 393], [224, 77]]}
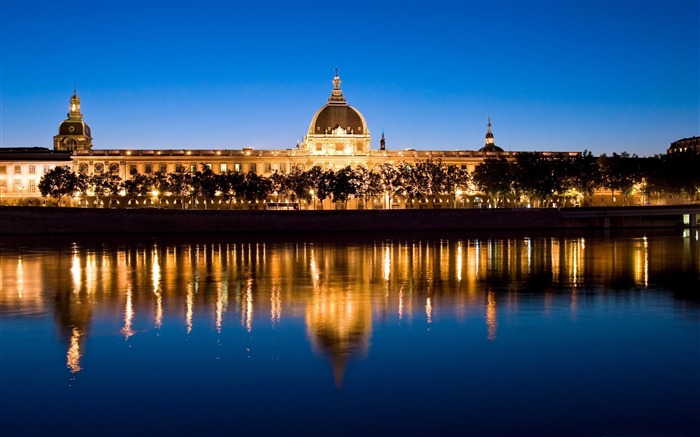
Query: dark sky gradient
{"points": [[607, 76]]}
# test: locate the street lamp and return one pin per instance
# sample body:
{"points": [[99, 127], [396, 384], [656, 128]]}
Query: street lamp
{"points": [[313, 199]]}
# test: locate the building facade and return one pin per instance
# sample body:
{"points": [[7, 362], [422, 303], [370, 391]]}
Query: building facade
{"points": [[338, 136], [684, 145], [21, 170]]}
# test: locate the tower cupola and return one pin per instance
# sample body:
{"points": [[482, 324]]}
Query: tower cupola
{"points": [[73, 133], [489, 142]]}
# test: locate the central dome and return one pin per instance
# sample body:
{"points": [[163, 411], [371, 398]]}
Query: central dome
{"points": [[337, 117], [331, 117]]}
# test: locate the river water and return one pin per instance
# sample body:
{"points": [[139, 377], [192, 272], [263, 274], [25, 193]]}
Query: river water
{"points": [[579, 334]]}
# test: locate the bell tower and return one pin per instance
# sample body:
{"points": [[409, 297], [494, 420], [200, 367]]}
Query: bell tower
{"points": [[73, 133]]}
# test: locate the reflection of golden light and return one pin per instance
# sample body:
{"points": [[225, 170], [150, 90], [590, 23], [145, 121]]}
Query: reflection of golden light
{"points": [[248, 311], [459, 261], [646, 262], [20, 277], [159, 310], [221, 303], [190, 307], [128, 315], [387, 263], [73, 355], [491, 315], [429, 310], [156, 278], [275, 306], [91, 273], [315, 275], [555, 253], [75, 270], [401, 303]]}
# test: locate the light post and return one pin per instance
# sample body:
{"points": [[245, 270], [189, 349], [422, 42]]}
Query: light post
{"points": [[313, 199]]}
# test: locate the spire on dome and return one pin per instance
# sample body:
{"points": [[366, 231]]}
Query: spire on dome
{"points": [[74, 113], [382, 142], [489, 135], [337, 97]]}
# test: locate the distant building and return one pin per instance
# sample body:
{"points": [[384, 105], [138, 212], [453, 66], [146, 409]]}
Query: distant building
{"points": [[685, 144], [21, 169]]}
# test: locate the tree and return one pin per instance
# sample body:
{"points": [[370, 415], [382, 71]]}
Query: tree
{"points": [[205, 183], [139, 186], [342, 184], [321, 181], [300, 184], [583, 173], [494, 177], [390, 181], [58, 182], [105, 185], [255, 187], [368, 184], [538, 176], [231, 186], [619, 173], [179, 185]]}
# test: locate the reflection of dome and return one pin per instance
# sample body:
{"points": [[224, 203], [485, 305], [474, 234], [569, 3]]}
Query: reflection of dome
{"points": [[339, 325]]}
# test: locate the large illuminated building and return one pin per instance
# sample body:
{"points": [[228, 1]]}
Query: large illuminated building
{"points": [[338, 136]]}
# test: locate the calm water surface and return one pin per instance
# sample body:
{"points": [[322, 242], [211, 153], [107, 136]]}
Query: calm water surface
{"points": [[410, 335]]}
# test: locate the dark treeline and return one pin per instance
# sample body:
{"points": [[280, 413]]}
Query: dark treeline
{"points": [[535, 178]]}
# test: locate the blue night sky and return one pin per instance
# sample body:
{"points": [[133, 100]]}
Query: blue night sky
{"points": [[607, 76]]}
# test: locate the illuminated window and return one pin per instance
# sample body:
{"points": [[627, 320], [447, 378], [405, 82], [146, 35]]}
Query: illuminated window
{"points": [[18, 186], [18, 169], [3, 169], [32, 169], [222, 168], [237, 167], [268, 167], [3, 186], [193, 167], [32, 186], [208, 165]]}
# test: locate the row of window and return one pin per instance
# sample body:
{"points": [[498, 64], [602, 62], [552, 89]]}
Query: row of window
{"points": [[220, 168], [19, 187], [17, 169]]}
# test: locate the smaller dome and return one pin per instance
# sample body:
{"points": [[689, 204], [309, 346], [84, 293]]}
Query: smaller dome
{"points": [[74, 127], [490, 148]]}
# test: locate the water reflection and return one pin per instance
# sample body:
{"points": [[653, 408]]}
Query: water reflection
{"points": [[339, 290]]}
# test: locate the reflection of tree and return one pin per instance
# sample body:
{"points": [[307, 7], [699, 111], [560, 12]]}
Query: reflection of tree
{"points": [[339, 324]]}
